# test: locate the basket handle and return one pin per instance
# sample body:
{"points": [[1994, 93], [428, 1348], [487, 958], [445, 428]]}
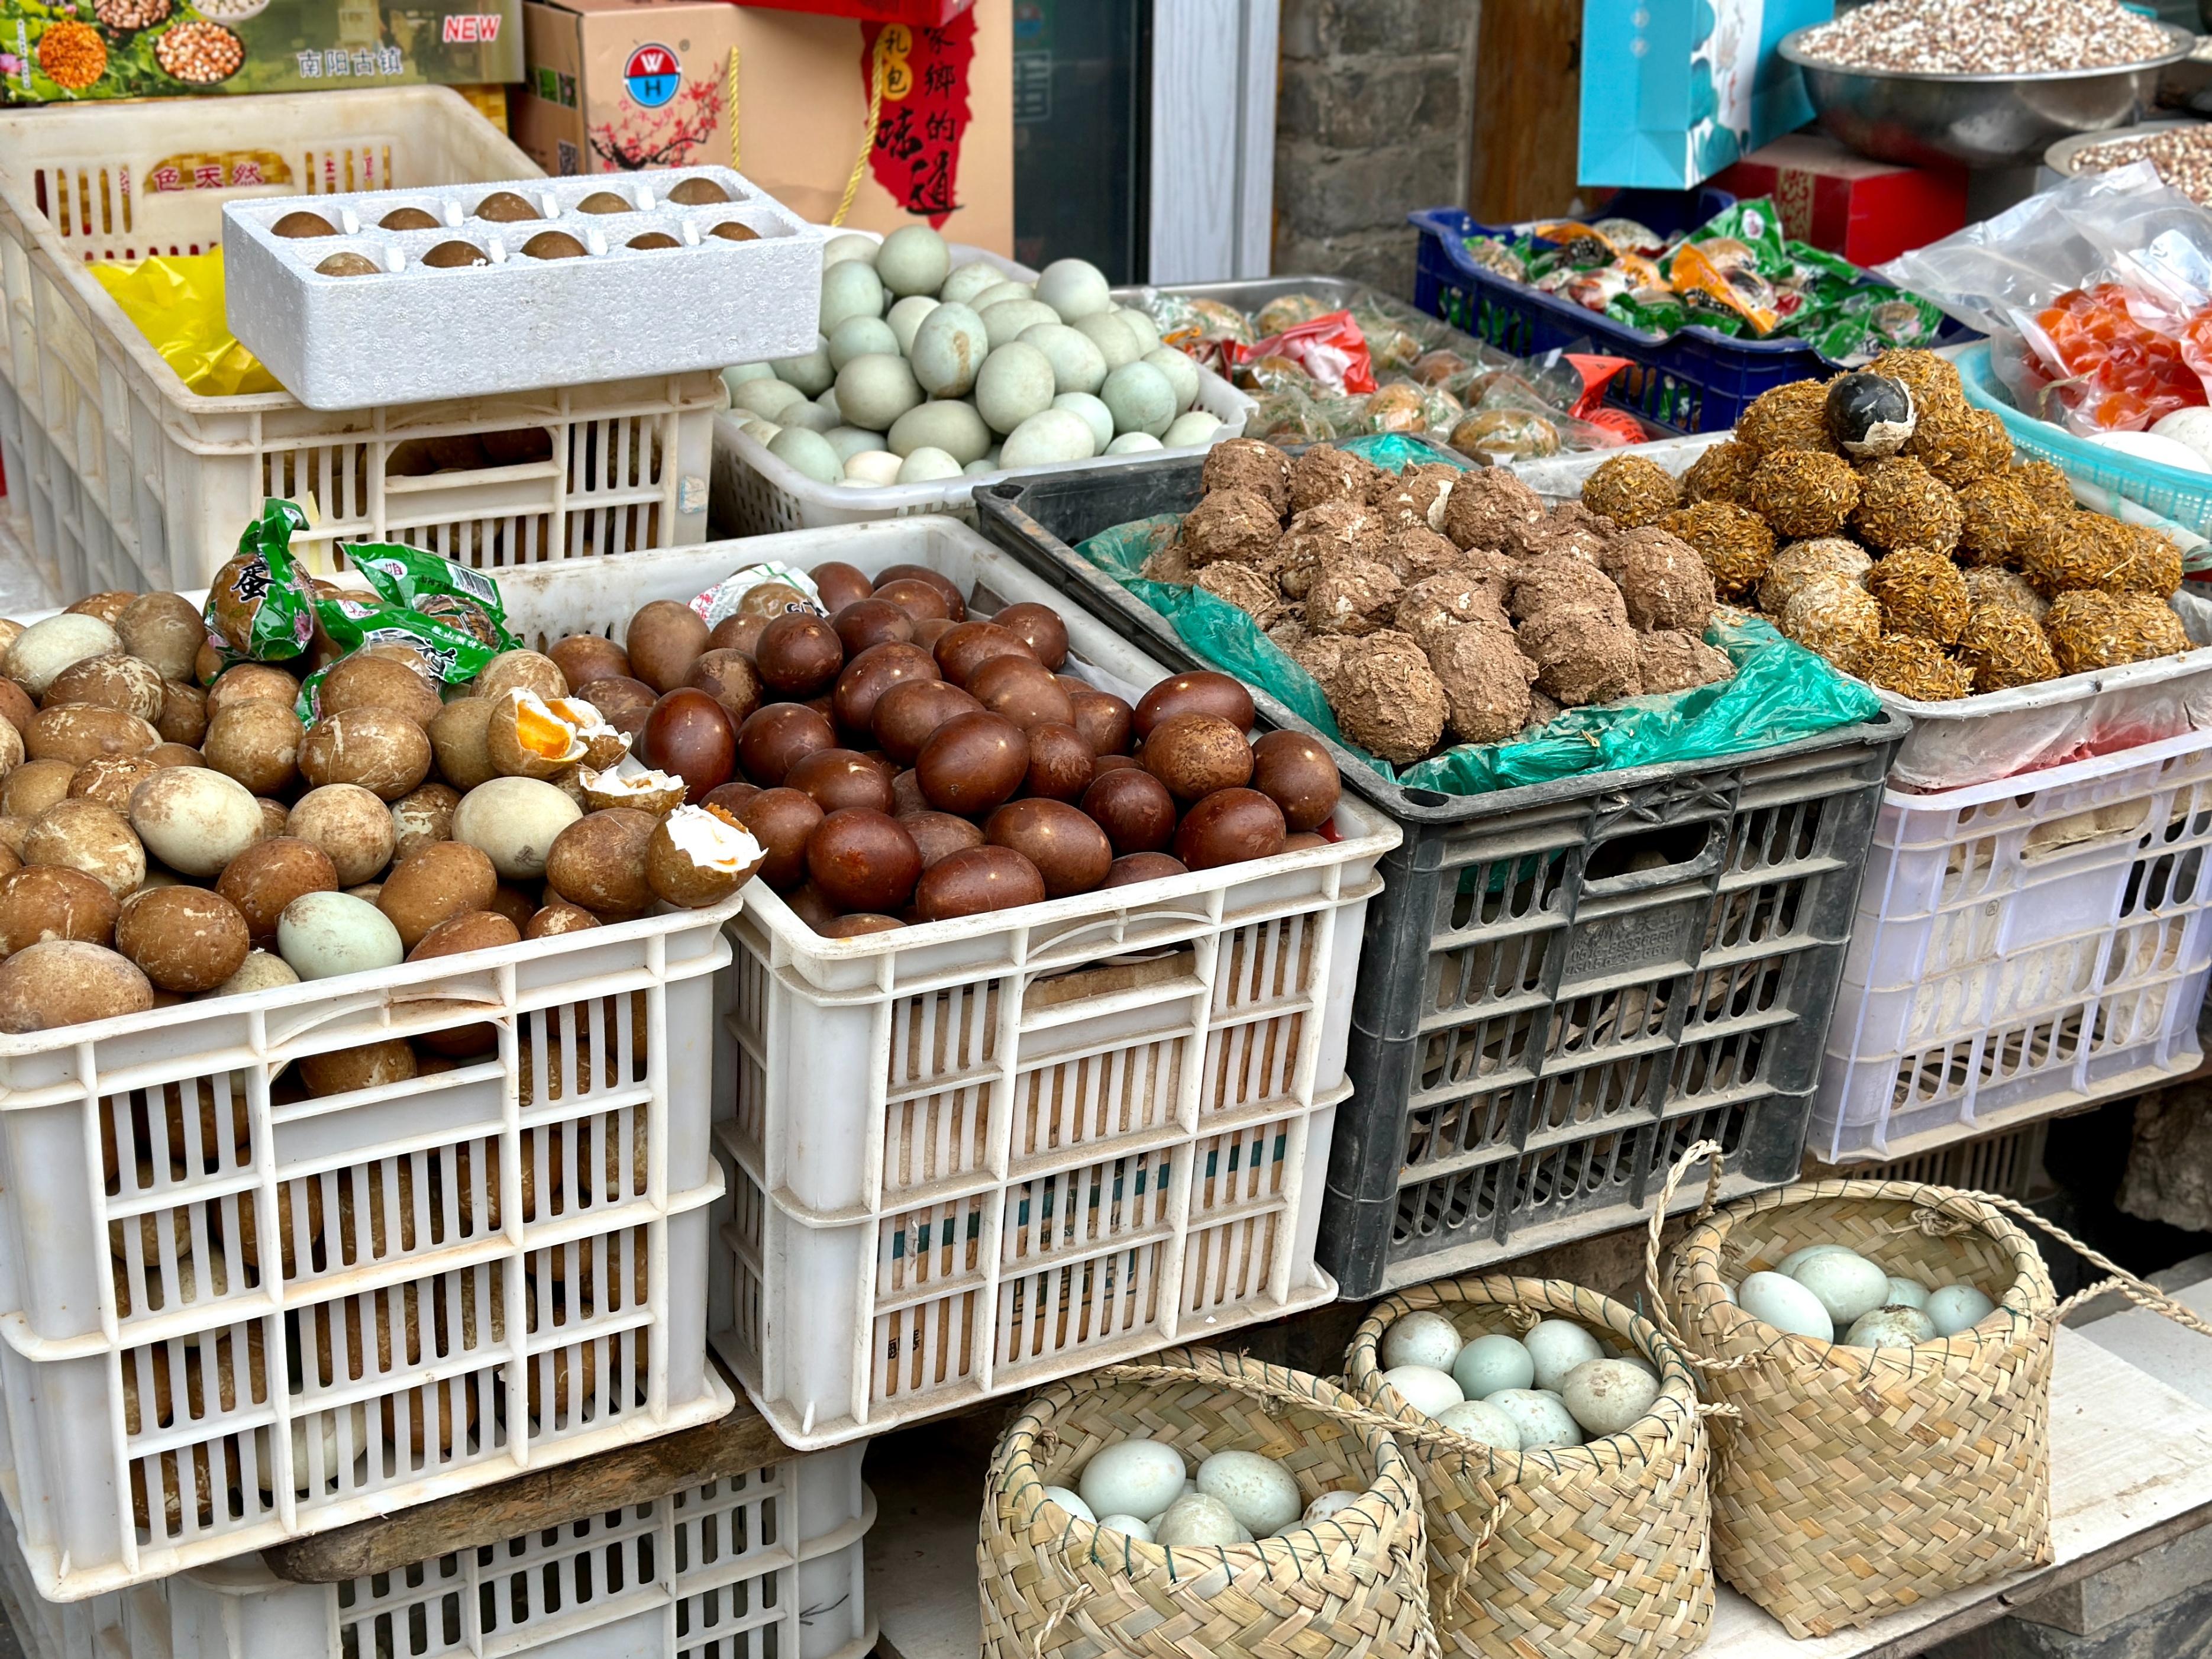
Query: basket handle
{"points": [[1708, 1150]]}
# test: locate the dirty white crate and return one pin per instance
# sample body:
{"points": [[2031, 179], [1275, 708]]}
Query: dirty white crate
{"points": [[966, 1158], [482, 1270], [755, 1566], [2020, 946], [119, 477], [2009, 1162], [757, 494], [765, 1565], [510, 322]]}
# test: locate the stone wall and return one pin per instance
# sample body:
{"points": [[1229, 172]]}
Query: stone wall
{"points": [[1374, 117]]}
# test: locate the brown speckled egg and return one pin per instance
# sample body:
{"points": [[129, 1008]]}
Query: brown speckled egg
{"points": [[1133, 868], [583, 658], [664, 640], [776, 736], [727, 677], [599, 862], [840, 583], [1196, 754], [979, 879], [862, 860], [1295, 772], [1201, 693], [1023, 690], [1070, 853], [1061, 765], [1228, 827], [1041, 627], [870, 621], [972, 763], [939, 835], [269, 875], [962, 650], [689, 736], [182, 939], [1133, 808], [445, 879], [797, 654], [871, 674], [783, 821], [840, 778], [909, 712], [1106, 723]]}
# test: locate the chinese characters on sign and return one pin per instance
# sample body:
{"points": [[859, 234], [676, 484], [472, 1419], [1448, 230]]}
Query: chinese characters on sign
{"points": [[925, 110], [337, 62]]}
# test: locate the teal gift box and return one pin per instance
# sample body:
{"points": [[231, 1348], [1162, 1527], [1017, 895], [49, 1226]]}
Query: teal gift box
{"points": [[1674, 90]]}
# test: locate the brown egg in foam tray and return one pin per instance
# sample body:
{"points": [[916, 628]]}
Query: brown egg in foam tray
{"points": [[517, 285]]}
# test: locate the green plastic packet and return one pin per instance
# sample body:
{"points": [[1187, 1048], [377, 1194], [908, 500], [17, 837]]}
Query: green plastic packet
{"points": [[1780, 692], [449, 615], [261, 605]]}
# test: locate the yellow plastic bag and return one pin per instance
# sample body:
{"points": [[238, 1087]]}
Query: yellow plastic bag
{"points": [[177, 302]]}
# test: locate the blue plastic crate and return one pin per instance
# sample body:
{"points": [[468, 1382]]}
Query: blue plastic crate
{"points": [[1696, 380]]}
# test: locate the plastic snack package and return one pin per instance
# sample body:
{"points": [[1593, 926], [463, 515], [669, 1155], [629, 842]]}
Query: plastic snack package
{"points": [[177, 301]]}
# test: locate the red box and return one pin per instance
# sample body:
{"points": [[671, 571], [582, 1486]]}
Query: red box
{"points": [[1838, 200], [922, 14]]}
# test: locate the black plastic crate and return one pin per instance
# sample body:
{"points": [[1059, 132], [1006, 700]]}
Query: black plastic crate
{"points": [[1562, 985]]}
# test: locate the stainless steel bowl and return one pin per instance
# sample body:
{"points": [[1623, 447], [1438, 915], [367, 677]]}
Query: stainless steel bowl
{"points": [[2061, 157], [1977, 120], [2188, 84]]}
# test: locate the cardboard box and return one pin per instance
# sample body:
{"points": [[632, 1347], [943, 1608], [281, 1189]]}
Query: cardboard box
{"points": [[1835, 199], [613, 85], [921, 13], [72, 51]]}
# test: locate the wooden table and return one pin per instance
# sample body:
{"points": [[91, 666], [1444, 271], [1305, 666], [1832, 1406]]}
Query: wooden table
{"points": [[2131, 1469]]}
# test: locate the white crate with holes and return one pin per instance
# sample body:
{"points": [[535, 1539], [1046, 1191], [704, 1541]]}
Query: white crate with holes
{"points": [[231, 1312], [762, 1565], [120, 477], [757, 494], [968, 1158], [2021, 945]]}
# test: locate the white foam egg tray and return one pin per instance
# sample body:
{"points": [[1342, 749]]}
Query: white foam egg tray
{"points": [[418, 328]]}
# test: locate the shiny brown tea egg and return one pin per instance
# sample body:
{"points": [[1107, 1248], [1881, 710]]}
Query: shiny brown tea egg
{"points": [[695, 192], [301, 225], [554, 245], [505, 207], [653, 238], [408, 218], [731, 231], [350, 264], [603, 201]]}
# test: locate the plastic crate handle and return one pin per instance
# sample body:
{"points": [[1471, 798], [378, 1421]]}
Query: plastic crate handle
{"points": [[1703, 864]]}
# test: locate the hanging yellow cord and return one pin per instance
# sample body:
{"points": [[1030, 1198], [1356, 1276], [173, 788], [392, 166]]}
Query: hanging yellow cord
{"points": [[868, 141]]}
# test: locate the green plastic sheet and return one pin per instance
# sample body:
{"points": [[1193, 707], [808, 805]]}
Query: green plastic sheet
{"points": [[1780, 693]]}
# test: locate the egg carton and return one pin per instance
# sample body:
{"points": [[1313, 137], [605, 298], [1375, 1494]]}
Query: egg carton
{"points": [[414, 329]]}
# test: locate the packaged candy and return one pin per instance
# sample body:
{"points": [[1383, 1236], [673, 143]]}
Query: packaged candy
{"points": [[1280, 315], [767, 589], [1506, 435], [1329, 348], [448, 614], [1288, 416], [261, 605]]}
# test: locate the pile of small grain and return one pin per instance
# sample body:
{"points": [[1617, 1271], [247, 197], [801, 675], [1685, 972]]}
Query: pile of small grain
{"points": [[2182, 157], [1986, 37]]}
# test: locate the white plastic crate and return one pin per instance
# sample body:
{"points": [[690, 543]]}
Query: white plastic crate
{"points": [[765, 1565], [119, 477], [443, 1243], [757, 494], [2019, 946], [1994, 734], [966, 1158], [508, 322], [755, 1566]]}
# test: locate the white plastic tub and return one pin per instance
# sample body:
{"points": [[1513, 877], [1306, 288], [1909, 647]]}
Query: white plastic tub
{"points": [[756, 493], [119, 476], [2019, 946], [442, 1242], [1996, 734], [966, 1158]]}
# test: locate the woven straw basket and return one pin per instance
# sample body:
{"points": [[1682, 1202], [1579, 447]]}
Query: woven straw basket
{"points": [[1854, 1482], [1054, 1584], [1592, 1552]]}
